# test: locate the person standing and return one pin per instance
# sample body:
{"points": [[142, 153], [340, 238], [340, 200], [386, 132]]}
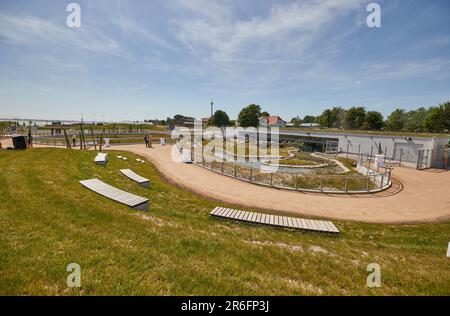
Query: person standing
{"points": [[150, 140], [146, 141], [30, 140], [74, 140]]}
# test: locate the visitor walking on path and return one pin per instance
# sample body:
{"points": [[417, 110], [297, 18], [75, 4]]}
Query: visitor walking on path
{"points": [[74, 140], [146, 141]]}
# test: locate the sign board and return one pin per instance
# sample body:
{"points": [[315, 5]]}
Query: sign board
{"points": [[186, 156], [379, 161]]}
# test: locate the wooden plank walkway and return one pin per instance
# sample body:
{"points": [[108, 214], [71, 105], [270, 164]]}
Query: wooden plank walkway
{"points": [[134, 201], [135, 177], [275, 220]]}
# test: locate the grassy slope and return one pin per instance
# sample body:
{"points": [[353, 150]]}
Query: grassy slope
{"points": [[47, 220]]}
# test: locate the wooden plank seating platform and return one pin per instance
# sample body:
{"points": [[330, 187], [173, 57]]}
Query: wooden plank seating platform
{"points": [[275, 220], [101, 159], [135, 177], [134, 201]]}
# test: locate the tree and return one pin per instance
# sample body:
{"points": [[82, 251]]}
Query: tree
{"points": [[415, 120], [309, 119], [220, 118], [265, 114], [355, 117], [438, 118], [326, 118], [333, 118], [396, 121], [249, 116], [374, 121], [297, 121]]}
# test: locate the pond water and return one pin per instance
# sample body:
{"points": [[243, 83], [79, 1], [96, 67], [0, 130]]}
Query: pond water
{"points": [[258, 164]]}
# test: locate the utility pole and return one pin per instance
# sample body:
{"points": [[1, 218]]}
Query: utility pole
{"points": [[212, 107]]}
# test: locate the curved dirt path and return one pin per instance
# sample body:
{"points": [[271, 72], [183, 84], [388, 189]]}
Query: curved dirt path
{"points": [[416, 196]]}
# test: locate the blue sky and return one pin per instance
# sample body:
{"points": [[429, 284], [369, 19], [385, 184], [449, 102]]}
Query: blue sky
{"points": [[152, 59]]}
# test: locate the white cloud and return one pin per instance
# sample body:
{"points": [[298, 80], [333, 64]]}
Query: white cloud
{"points": [[43, 34], [289, 29]]}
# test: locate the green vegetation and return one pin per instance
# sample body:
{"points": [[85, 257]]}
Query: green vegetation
{"points": [[111, 128], [303, 159], [114, 139], [220, 118], [249, 116], [48, 220], [386, 133], [434, 119]]}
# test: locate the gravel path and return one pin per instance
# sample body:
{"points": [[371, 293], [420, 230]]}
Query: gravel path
{"points": [[416, 196]]}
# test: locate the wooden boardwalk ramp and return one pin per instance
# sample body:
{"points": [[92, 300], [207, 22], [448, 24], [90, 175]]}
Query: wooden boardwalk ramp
{"points": [[275, 220], [135, 177], [134, 201]]}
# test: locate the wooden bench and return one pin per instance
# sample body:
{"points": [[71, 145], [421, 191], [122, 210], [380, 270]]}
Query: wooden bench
{"points": [[134, 201], [101, 159], [135, 177], [275, 220]]}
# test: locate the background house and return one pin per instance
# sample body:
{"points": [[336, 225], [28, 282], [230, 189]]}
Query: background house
{"points": [[272, 121]]}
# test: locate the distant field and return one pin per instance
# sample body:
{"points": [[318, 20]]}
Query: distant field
{"points": [[110, 127], [387, 133], [48, 220], [113, 139]]}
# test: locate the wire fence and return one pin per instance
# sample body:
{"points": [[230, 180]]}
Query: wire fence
{"points": [[367, 181]]}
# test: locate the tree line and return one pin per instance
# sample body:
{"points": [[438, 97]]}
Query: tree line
{"points": [[432, 119]]}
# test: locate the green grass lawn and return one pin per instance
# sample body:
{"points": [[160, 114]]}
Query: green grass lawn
{"points": [[48, 220]]}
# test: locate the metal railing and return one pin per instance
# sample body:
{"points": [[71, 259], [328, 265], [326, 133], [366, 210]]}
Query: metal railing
{"points": [[367, 182]]}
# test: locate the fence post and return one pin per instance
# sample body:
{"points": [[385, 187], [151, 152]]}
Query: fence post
{"points": [[401, 155], [346, 184], [359, 149], [370, 157], [271, 178], [235, 170], [321, 183], [367, 184], [251, 174], [348, 145], [382, 179], [222, 166], [296, 181]]}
